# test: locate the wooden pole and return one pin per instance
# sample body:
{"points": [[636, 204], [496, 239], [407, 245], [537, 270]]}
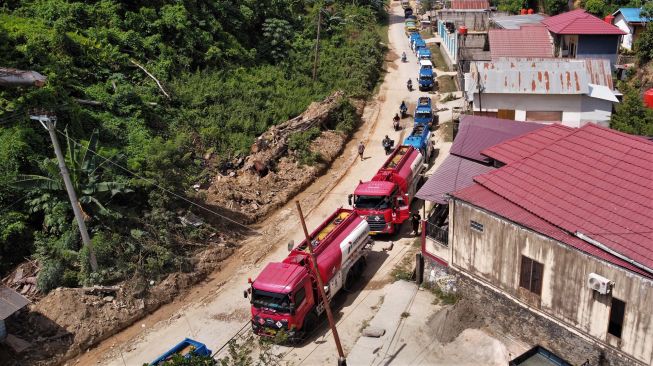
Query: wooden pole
{"points": [[320, 289]]}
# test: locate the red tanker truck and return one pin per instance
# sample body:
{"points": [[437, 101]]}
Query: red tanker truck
{"points": [[385, 200], [284, 296]]}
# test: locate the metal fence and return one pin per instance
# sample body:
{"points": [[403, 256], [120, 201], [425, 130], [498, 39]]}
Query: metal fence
{"points": [[439, 234]]}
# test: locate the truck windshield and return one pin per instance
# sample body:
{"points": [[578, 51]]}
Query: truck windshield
{"points": [[373, 202], [425, 77], [271, 300]]}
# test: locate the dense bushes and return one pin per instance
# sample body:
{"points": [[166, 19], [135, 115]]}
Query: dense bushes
{"points": [[232, 69]]}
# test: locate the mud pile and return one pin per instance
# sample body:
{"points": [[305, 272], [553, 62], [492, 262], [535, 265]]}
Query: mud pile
{"points": [[450, 321], [271, 175]]}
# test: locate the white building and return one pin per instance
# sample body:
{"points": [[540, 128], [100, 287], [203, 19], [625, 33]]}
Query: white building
{"points": [[630, 21], [568, 91]]}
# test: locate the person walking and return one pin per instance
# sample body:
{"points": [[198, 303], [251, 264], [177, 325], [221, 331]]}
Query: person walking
{"points": [[415, 220], [361, 150]]}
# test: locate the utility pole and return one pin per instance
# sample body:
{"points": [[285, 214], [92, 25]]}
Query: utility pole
{"points": [[50, 123], [342, 361], [317, 43]]}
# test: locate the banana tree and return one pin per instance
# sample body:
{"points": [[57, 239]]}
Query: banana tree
{"points": [[86, 170]]}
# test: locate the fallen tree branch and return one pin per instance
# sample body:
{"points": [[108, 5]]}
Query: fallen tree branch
{"points": [[153, 78]]}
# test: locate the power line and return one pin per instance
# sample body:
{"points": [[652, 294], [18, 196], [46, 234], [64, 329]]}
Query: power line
{"points": [[3, 209], [157, 185]]}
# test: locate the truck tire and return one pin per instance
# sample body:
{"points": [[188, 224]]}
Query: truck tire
{"points": [[310, 324]]}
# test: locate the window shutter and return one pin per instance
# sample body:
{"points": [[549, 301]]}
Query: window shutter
{"points": [[525, 272], [536, 278]]}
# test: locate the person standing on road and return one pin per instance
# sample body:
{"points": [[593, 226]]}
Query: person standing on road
{"points": [[361, 149], [415, 220]]}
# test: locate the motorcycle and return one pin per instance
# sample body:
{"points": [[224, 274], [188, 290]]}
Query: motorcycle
{"points": [[403, 109], [387, 146], [395, 124], [403, 57], [409, 85]]}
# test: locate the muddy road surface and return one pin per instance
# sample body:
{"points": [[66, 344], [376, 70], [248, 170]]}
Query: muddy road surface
{"points": [[215, 310]]}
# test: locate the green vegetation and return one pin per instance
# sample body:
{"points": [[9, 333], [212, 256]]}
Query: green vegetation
{"points": [[228, 71], [602, 8], [446, 84], [438, 58], [405, 269], [446, 298], [631, 115]]}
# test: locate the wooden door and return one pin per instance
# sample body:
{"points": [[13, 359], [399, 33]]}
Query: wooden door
{"points": [[506, 114]]}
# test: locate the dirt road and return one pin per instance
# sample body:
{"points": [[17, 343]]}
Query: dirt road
{"points": [[216, 310]]}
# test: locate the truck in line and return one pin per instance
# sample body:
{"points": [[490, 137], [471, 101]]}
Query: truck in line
{"points": [[186, 348], [424, 112], [284, 296], [420, 138], [385, 200]]}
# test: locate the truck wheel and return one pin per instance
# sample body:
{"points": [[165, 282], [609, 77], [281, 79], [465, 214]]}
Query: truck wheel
{"points": [[310, 323]]}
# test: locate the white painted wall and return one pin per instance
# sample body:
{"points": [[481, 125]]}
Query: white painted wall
{"points": [[577, 110], [627, 39]]}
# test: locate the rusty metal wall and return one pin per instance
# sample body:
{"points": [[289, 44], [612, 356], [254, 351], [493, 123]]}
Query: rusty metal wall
{"points": [[495, 256]]}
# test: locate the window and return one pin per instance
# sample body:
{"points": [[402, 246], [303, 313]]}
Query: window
{"points": [[476, 226], [616, 317], [299, 296], [530, 276]]}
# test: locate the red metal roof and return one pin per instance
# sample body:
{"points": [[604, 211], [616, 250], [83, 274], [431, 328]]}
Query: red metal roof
{"points": [[477, 133], [527, 41], [484, 198], [579, 22], [522, 146], [595, 181], [470, 4], [455, 173]]}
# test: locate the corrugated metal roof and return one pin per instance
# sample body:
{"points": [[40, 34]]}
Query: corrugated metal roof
{"points": [[470, 4], [541, 76], [455, 173], [486, 199], [516, 21], [477, 133], [522, 146], [527, 41], [632, 15], [579, 22], [596, 181], [10, 302]]}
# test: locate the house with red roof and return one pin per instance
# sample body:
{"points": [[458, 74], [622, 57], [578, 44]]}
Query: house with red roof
{"points": [[525, 41], [564, 230], [578, 34]]}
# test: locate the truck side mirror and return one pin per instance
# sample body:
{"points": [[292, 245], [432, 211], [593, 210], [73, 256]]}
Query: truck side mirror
{"points": [[245, 294], [350, 199], [291, 244]]}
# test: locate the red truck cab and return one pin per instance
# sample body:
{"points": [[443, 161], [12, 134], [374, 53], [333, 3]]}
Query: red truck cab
{"points": [[385, 200], [284, 296]]}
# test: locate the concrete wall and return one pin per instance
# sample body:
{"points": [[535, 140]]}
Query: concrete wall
{"points": [[474, 20], [449, 42], [576, 109], [595, 110], [598, 46], [494, 257]]}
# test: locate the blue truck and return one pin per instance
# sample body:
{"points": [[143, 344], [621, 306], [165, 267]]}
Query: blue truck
{"points": [[418, 44], [426, 80], [424, 54], [420, 138], [186, 348], [424, 112]]}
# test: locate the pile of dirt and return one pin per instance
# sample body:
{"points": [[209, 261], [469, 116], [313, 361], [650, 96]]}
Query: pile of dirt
{"points": [[271, 175], [68, 321], [450, 321], [23, 279]]}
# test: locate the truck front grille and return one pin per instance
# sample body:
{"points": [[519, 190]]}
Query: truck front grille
{"points": [[376, 222]]}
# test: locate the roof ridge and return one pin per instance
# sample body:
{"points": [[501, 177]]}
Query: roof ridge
{"points": [[636, 138]]}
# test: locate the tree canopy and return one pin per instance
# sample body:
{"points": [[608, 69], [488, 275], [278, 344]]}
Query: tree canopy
{"points": [[230, 70]]}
